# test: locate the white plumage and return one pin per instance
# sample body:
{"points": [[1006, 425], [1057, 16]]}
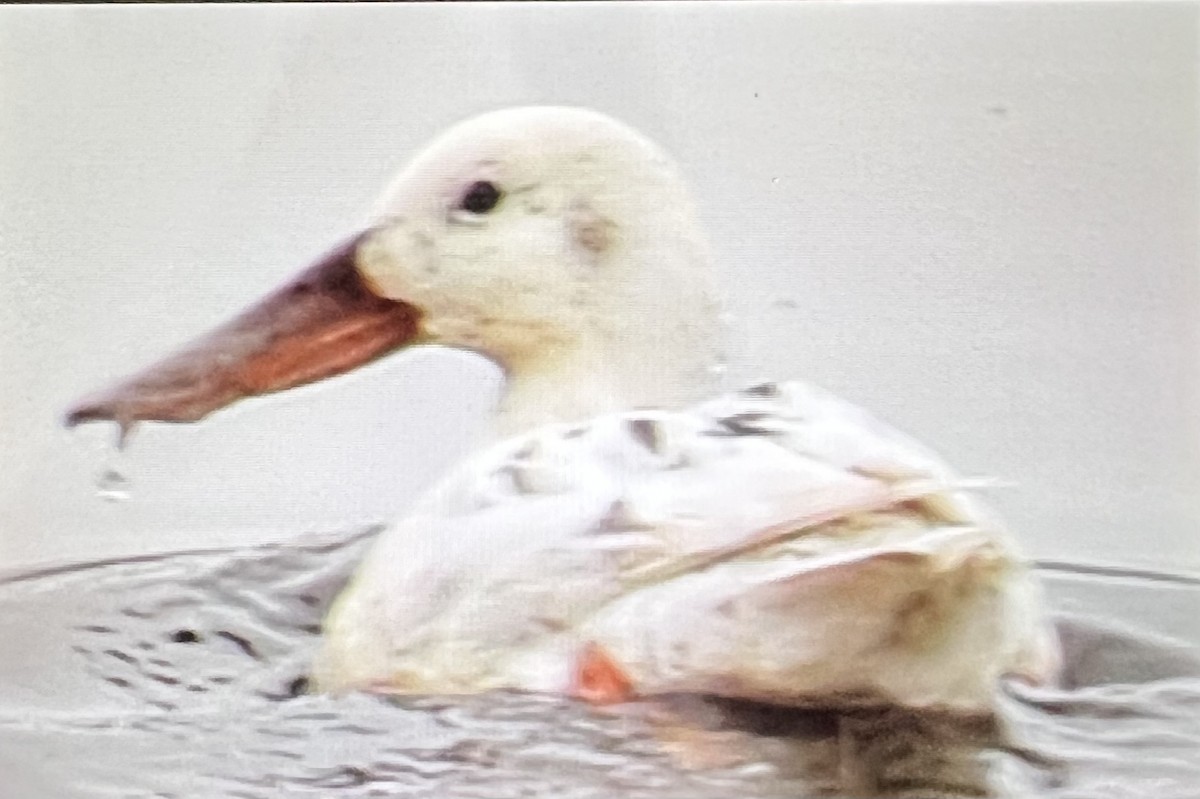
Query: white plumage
{"points": [[775, 544]]}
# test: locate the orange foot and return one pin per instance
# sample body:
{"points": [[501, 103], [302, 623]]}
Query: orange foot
{"points": [[598, 678]]}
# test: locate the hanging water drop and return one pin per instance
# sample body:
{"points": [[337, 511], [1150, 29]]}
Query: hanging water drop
{"points": [[112, 481], [112, 485], [110, 477]]}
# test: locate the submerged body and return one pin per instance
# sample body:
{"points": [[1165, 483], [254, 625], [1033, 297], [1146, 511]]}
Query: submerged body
{"points": [[776, 545]]}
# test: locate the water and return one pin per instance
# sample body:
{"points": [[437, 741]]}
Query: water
{"points": [[111, 477], [112, 485], [181, 675]]}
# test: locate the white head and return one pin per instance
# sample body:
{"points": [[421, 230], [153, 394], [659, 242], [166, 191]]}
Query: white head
{"points": [[556, 241], [564, 246]]}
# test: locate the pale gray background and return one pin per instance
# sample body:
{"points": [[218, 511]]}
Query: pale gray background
{"points": [[979, 221]]}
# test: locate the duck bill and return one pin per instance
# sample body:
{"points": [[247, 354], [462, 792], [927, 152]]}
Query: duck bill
{"points": [[326, 321]]}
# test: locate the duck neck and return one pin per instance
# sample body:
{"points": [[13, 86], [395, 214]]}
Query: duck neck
{"points": [[583, 382]]}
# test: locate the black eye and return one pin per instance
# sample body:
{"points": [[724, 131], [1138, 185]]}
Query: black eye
{"points": [[480, 198]]}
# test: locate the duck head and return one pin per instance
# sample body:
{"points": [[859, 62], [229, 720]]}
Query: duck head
{"points": [[555, 241]]}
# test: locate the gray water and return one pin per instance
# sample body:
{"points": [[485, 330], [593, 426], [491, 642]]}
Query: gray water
{"points": [[181, 675]]}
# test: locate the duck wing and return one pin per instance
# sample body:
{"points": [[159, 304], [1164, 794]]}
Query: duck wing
{"points": [[758, 545]]}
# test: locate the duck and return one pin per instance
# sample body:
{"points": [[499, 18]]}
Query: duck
{"points": [[628, 531]]}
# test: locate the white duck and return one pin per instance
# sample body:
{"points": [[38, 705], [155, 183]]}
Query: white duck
{"points": [[776, 544]]}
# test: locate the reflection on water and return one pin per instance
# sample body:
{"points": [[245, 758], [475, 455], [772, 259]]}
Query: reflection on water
{"points": [[182, 676]]}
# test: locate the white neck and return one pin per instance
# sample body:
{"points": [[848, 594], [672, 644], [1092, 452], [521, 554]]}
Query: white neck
{"points": [[611, 374], [653, 337]]}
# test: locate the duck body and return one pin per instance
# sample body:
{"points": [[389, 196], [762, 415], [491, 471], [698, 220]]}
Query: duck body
{"points": [[777, 544]]}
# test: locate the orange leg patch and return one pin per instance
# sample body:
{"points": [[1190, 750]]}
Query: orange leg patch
{"points": [[598, 678]]}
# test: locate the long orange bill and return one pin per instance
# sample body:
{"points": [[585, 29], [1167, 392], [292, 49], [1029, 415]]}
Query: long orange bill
{"points": [[324, 322]]}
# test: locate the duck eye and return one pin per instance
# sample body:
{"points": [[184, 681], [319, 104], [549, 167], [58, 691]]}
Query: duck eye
{"points": [[480, 198]]}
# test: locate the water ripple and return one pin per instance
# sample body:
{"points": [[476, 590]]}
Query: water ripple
{"points": [[182, 676]]}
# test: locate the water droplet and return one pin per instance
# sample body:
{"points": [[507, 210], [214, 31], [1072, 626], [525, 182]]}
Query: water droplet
{"points": [[774, 181], [110, 478], [112, 485]]}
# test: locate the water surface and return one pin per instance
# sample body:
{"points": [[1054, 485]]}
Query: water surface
{"points": [[181, 675]]}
